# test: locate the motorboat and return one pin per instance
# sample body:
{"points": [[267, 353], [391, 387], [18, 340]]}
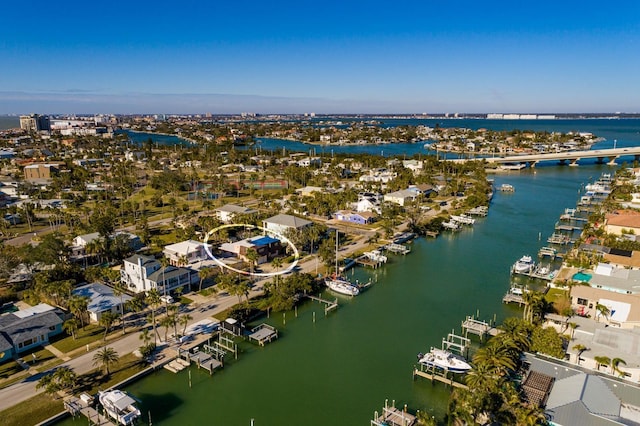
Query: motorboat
{"points": [[341, 285], [444, 360], [119, 406], [524, 265], [376, 256]]}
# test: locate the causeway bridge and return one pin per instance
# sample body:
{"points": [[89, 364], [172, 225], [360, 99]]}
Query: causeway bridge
{"points": [[564, 157]]}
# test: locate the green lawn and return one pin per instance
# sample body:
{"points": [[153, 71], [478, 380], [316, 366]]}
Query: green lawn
{"points": [[91, 333], [32, 411], [43, 406], [185, 300]]}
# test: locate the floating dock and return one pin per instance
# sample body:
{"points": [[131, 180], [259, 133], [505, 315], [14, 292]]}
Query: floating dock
{"points": [[477, 327], [76, 406], [366, 261]]}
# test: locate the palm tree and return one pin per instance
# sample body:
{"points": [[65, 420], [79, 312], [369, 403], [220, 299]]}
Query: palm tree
{"points": [[184, 321], [79, 307], [204, 274], [572, 326], [119, 290], [153, 300], [106, 357], [615, 363], [252, 257], [71, 327], [602, 310], [144, 336], [602, 361], [106, 320], [164, 262], [580, 348]]}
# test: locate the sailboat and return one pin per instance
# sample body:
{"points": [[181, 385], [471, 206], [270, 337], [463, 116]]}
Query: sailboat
{"points": [[339, 284]]}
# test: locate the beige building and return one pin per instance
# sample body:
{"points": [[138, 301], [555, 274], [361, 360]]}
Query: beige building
{"points": [[34, 172], [624, 308], [623, 220]]}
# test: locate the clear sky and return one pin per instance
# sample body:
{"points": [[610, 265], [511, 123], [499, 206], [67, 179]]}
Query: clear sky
{"points": [[325, 57]]}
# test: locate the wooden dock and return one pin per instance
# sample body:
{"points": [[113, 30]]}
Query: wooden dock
{"points": [[75, 406], [262, 334], [392, 416], [366, 261], [330, 305], [433, 375], [477, 327], [513, 298], [397, 248]]}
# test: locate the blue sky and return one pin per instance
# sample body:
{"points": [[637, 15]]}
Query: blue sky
{"points": [[324, 57]]}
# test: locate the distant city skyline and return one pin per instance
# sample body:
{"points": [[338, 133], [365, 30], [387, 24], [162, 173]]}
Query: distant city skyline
{"points": [[330, 57]]}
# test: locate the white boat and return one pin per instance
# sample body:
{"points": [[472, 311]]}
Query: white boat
{"points": [[524, 265], [341, 285], [376, 256], [505, 187], [119, 406], [464, 219], [444, 360]]}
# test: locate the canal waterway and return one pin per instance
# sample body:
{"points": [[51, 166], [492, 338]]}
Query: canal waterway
{"points": [[340, 368]]}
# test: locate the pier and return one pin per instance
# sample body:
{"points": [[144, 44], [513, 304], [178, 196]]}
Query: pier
{"points": [[397, 248], [264, 333], [479, 211], [513, 298], [202, 359], [477, 327], [330, 305], [392, 416], [437, 375], [366, 261], [77, 406]]}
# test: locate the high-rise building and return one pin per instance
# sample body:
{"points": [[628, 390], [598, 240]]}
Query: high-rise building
{"points": [[35, 122]]}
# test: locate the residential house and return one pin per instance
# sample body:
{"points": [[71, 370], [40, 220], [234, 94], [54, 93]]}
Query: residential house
{"points": [[622, 222], [101, 299], [27, 329], [414, 165], [40, 172], [401, 197], [167, 280], [282, 224], [361, 218], [136, 270], [266, 247], [368, 202], [227, 212], [186, 252], [310, 161], [624, 309], [381, 175]]}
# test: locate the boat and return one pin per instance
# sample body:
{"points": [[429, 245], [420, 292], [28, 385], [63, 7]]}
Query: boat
{"points": [[376, 256], [505, 187], [341, 285], [119, 406], [524, 265], [444, 360], [338, 283]]}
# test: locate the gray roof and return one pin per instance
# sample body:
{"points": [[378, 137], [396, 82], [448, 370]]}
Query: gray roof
{"points": [[143, 259], [288, 221], [5, 344], [101, 297], [233, 208], [20, 329], [169, 272]]}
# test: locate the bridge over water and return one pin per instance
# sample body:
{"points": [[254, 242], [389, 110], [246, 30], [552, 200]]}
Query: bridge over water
{"points": [[571, 157]]}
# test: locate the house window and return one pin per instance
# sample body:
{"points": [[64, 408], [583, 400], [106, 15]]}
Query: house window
{"points": [[52, 328], [582, 301], [27, 342]]}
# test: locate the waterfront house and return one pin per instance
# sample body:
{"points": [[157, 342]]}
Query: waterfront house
{"points": [[143, 273], [401, 197], [368, 202], [28, 328], [227, 212], [575, 397], [101, 299], [265, 246], [622, 222], [624, 308], [282, 224], [186, 252], [414, 165], [360, 218]]}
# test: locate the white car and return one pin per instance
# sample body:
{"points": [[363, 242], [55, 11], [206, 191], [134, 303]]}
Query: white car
{"points": [[167, 299]]}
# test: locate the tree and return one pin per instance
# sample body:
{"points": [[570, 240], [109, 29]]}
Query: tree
{"points": [[62, 378], [184, 321], [579, 348], [106, 320], [79, 306], [204, 274], [252, 256], [105, 358], [602, 310], [71, 327], [615, 366], [602, 361], [153, 300], [119, 290]]}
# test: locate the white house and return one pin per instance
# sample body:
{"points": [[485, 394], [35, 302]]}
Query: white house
{"points": [[101, 299], [401, 197], [227, 212], [414, 165], [143, 273], [283, 223], [186, 252]]}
